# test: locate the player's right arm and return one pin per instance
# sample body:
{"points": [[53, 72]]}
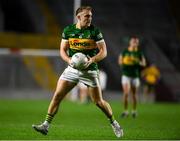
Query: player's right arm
{"points": [[120, 60], [64, 45]]}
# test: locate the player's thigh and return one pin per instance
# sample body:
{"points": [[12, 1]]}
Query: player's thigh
{"points": [[126, 84], [135, 85], [136, 82], [63, 87]]}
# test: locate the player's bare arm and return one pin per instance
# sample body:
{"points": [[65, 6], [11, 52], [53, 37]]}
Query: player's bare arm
{"points": [[142, 62], [102, 52], [64, 45], [120, 60]]}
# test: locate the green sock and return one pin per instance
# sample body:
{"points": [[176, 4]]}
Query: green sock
{"points": [[49, 118], [111, 119]]}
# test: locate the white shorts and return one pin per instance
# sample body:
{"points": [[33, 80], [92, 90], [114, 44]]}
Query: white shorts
{"points": [[81, 85], [89, 77], [130, 81]]}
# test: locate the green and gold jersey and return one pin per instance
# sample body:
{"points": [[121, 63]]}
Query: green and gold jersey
{"points": [[83, 40], [130, 65]]}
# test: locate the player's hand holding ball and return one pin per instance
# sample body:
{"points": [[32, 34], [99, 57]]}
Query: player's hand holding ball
{"points": [[89, 62]]}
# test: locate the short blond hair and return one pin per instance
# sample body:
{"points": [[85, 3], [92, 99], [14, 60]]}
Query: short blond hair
{"points": [[80, 9]]}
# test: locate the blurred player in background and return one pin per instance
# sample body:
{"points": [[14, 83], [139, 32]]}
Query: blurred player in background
{"points": [[83, 93], [86, 38], [79, 94], [103, 79], [130, 60], [150, 76], [74, 94]]}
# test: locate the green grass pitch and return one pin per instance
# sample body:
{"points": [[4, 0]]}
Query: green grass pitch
{"points": [[86, 122]]}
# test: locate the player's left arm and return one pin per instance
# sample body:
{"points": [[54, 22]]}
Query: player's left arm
{"points": [[142, 62], [102, 51], [101, 45]]}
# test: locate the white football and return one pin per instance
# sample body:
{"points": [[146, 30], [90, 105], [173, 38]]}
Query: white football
{"points": [[79, 60]]}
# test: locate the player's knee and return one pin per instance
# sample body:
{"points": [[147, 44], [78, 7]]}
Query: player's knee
{"points": [[134, 95], [126, 95]]}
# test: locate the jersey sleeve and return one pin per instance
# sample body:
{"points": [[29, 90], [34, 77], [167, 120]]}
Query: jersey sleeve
{"points": [[98, 35], [141, 55], [64, 34]]}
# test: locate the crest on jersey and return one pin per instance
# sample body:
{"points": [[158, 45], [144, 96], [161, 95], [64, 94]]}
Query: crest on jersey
{"points": [[81, 35], [100, 36]]}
